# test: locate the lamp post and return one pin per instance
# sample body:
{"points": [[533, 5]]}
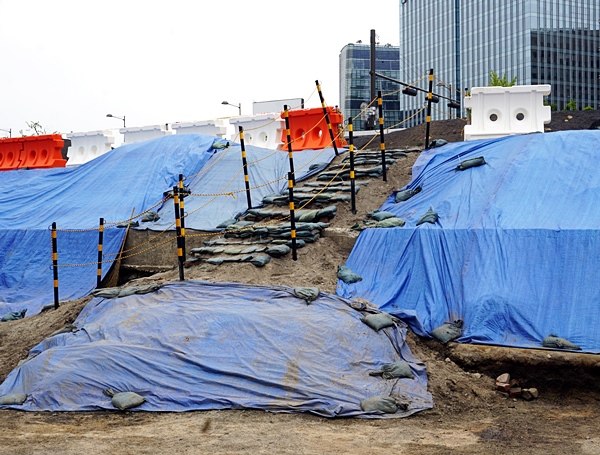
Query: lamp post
{"points": [[120, 118], [9, 131], [239, 106]]}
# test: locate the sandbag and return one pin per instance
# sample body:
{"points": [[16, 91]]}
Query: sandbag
{"points": [[553, 341], [378, 321], [14, 315], [124, 400], [278, 251], [347, 275], [12, 398], [378, 215], [307, 294], [448, 331], [379, 403], [260, 260], [127, 224], [437, 143], [226, 223], [405, 195], [399, 369], [150, 216], [473, 162], [390, 222], [429, 217]]}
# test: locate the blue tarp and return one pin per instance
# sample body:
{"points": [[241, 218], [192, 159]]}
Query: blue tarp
{"points": [[514, 253], [130, 177], [197, 345]]}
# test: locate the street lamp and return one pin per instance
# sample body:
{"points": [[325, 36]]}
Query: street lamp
{"points": [[9, 131], [120, 118], [239, 106]]}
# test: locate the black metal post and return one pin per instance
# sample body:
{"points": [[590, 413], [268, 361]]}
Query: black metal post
{"points": [[100, 241], [245, 165], [331, 136], [382, 145], [429, 98], [55, 264], [178, 230], [292, 215], [289, 141], [351, 151]]}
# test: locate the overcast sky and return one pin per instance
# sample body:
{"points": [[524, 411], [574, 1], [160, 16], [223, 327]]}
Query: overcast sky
{"points": [[68, 63]]}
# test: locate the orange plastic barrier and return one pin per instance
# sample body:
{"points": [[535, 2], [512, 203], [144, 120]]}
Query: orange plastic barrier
{"points": [[31, 152], [309, 130], [10, 153]]}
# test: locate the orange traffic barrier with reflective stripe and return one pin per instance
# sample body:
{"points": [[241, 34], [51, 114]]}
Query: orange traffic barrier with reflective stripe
{"points": [[32, 152], [308, 129]]}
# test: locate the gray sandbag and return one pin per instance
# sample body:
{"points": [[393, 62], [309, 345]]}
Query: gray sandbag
{"points": [[307, 294], [260, 260], [378, 321], [448, 331], [307, 215], [14, 315], [124, 400], [553, 341], [214, 261], [12, 398], [437, 143], [219, 144], [378, 215], [379, 403], [278, 251], [107, 293], [390, 222], [399, 369], [429, 217], [226, 223], [473, 162], [132, 224], [347, 275], [405, 195], [328, 212], [150, 216]]}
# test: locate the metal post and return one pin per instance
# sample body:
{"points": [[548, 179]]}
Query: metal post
{"points": [[331, 136], [373, 64], [245, 165], [292, 214], [289, 140], [351, 151], [382, 146], [182, 195], [55, 264], [178, 230], [429, 97], [100, 241]]}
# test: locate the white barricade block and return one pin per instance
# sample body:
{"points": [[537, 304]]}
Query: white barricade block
{"points": [[89, 145], [216, 127], [506, 111], [144, 133], [261, 130]]}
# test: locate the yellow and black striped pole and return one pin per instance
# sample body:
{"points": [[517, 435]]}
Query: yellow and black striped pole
{"points": [[178, 231], [429, 100], [245, 165], [182, 195], [331, 135], [292, 214], [351, 151], [286, 117], [55, 264], [382, 145], [100, 241]]}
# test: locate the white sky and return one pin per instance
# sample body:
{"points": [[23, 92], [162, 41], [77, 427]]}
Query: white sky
{"points": [[68, 63]]}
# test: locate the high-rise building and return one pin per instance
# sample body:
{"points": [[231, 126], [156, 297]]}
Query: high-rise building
{"points": [[355, 84], [554, 42]]}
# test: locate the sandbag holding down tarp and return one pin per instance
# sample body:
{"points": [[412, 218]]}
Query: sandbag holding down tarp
{"points": [[194, 345]]}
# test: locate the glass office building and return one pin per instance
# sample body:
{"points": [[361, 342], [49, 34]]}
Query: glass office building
{"points": [[355, 84], [554, 42]]}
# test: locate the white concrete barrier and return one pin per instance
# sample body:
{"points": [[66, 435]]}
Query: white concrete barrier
{"points": [[144, 133], [89, 145], [261, 130], [506, 111], [216, 127]]}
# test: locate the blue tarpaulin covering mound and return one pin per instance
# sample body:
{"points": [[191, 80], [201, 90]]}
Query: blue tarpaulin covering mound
{"points": [[131, 177], [513, 253], [197, 345]]}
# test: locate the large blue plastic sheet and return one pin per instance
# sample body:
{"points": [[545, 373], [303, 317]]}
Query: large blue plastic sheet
{"points": [[130, 178], [514, 253], [197, 345]]}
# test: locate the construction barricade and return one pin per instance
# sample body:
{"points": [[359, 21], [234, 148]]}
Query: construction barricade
{"points": [[216, 127], [144, 133], [261, 130], [506, 111], [31, 152], [309, 129], [87, 146]]}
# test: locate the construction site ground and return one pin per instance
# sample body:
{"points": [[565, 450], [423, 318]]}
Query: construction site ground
{"points": [[469, 415]]}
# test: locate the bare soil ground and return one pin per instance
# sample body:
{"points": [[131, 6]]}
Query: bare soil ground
{"points": [[469, 416]]}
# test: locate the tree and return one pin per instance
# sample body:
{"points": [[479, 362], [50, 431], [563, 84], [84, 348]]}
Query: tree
{"points": [[33, 129], [497, 81]]}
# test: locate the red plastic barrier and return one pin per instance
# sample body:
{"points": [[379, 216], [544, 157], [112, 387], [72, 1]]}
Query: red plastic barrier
{"points": [[32, 152], [10, 153], [309, 130]]}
